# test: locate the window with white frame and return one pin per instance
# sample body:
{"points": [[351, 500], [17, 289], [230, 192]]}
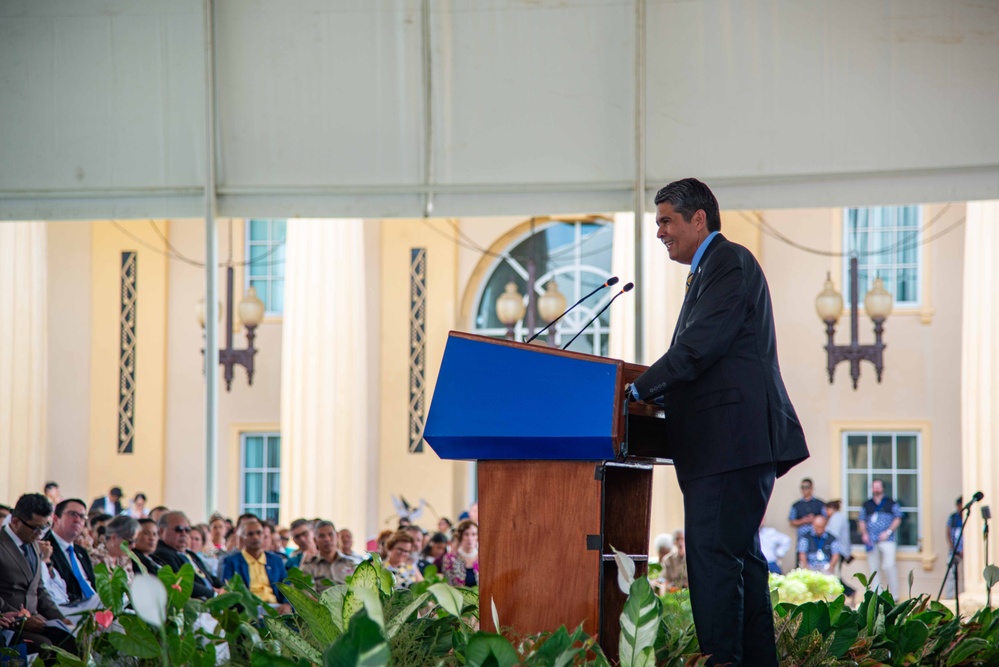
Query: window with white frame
{"points": [[892, 457], [265, 262], [886, 240], [577, 256], [260, 475]]}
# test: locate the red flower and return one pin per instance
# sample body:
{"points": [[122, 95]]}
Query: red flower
{"points": [[176, 586], [104, 618]]}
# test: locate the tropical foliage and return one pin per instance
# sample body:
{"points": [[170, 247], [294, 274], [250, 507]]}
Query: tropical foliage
{"points": [[368, 623]]}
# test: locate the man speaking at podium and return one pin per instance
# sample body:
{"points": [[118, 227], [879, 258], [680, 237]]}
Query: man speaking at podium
{"points": [[731, 427]]}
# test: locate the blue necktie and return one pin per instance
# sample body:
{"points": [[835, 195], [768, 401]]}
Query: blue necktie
{"points": [[86, 592]]}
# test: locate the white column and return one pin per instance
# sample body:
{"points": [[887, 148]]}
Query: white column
{"points": [[980, 383], [325, 437], [23, 358], [662, 295]]}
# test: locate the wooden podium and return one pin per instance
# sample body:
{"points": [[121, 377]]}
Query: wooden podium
{"points": [[564, 475]]}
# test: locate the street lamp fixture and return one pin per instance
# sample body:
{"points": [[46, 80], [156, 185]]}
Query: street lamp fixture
{"points": [[829, 306], [510, 308], [251, 313]]}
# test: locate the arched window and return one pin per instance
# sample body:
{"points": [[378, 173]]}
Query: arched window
{"points": [[577, 255]]}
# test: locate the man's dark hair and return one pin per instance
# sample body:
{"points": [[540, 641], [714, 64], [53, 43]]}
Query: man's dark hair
{"points": [[6, 507], [95, 519], [689, 195], [31, 504], [807, 480], [51, 485], [298, 523], [145, 521], [61, 507], [246, 517], [115, 491], [959, 501]]}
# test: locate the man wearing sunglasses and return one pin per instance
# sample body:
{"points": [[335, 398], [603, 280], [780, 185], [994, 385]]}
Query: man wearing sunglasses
{"points": [[175, 531], [21, 590]]}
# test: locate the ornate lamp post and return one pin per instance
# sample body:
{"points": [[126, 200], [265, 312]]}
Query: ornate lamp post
{"points": [[829, 306], [510, 308], [251, 312], [551, 304]]}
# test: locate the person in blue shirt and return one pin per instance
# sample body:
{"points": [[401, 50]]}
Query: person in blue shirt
{"points": [[955, 545], [819, 550], [805, 510], [879, 518]]}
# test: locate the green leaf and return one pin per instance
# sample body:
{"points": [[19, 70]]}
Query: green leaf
{"points": [[316, 616], [222, 601], [119, 588], [66, 659], [367, 576], [184, 579], [332, 599], [965, 649], [814, 616], [490, 650], [204, 657], [138, 640], [448, 598], [400, 618], [181, 648], [639, 623], [265, 659], [911, 636], [363, 645], [102, 584], [862, 578], [294, 642], [843, 639]]}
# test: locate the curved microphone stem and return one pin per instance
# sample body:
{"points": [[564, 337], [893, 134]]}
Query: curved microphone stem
{"points": [[538, 333], [627, 288]]}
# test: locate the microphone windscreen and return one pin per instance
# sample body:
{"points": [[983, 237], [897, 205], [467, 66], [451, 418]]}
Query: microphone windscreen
{"points": [[978, 496], [612, 281], [628, 287]]}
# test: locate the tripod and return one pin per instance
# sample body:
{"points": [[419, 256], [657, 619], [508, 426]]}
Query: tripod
{"points": [[966, 515]]}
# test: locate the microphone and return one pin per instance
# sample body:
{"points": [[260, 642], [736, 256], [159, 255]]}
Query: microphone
{"points": [[626, 288], [609, 283], [974, 499]]}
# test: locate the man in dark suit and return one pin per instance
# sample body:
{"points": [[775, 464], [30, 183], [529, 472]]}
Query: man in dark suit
{"points": [[72, 564], [172, 550], [732, 429], [21, 576], [109, 504]]}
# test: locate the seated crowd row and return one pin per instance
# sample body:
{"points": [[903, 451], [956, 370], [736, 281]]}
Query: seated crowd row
{"points": [[47, 558]]}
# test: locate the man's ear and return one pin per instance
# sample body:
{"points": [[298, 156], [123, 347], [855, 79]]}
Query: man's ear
{"points": [[700, 219]]}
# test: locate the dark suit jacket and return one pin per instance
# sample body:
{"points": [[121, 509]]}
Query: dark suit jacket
{"points": [[725, 401], [61, 563], [203, 588], [99, 504], [18, 586], [151, 567], [235, 564]]}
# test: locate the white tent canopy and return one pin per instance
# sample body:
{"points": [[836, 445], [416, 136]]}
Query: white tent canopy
{"points": [[361, 108]]}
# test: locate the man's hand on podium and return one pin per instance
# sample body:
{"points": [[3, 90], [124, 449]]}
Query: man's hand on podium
{"points": [[631, 392]]}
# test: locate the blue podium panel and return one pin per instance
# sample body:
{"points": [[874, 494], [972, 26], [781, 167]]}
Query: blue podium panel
{"points": [[498, 400]]}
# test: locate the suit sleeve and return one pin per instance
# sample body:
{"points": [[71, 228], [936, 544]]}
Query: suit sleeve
{"points": [[713, 323], [227, 569]]}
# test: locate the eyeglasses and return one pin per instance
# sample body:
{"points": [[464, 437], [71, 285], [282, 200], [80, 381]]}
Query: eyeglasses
{"points": [[75, 515], [37, 529], [182, 529]]}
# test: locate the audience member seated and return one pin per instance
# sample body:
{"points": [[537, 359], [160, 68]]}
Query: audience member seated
{"points": [[303, 535], [216, 540], [675, 564], [260, 570], [120, 531], [20, 579], [818, 550], [52, 493], [145, 544], [69, 560], [283, 537], [382, 543], [109, 504], [199, 535], [158, 512], [95, 535], [418, 538], [445, 526], [327, 566], [400, 547], [774, 545], [461, 568], [137, 508], [433, 552], [172, 550]]}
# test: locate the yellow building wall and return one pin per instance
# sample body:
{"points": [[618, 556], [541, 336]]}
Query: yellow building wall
{"points": [[141, 470], [415, 475]]}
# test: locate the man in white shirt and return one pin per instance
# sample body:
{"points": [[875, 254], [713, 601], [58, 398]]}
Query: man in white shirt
{"points": [[774, 545]]}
